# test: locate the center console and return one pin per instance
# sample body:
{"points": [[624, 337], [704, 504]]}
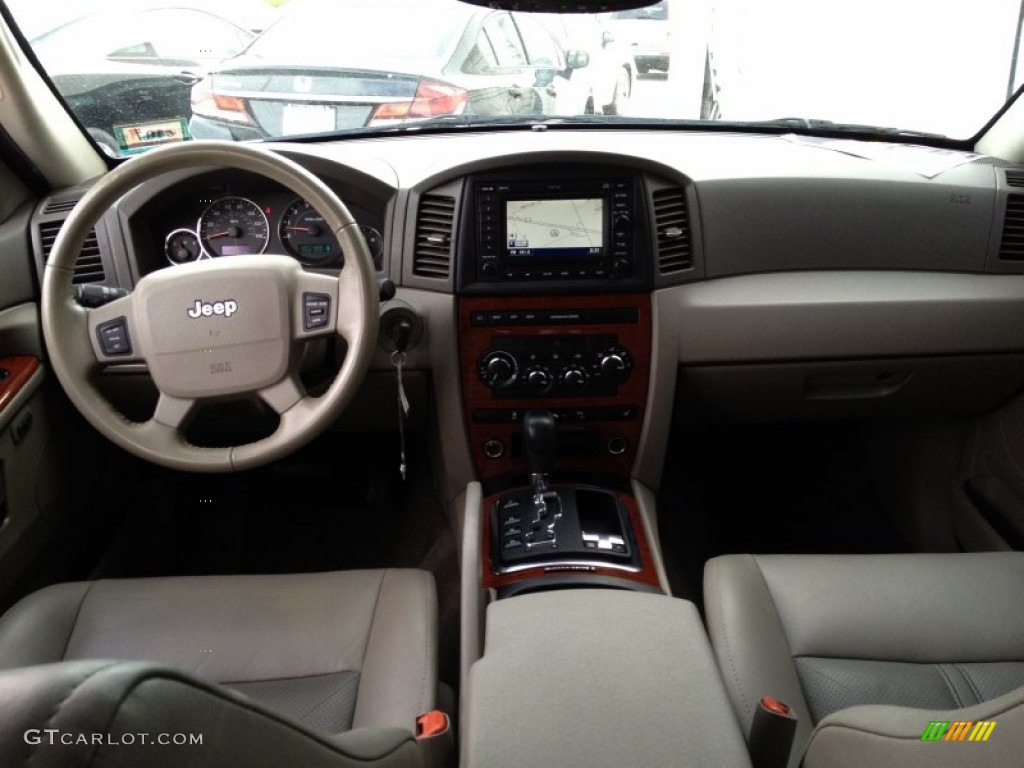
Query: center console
{"points": [[560, 546], [555, 345], [598, 678]]}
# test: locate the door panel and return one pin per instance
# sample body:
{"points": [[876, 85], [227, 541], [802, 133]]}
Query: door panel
{"points": [[24, 412]]}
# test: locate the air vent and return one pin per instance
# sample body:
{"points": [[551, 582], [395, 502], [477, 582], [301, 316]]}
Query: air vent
{"points": [[673, 227], [89, 266], [1015, 178], [433, 254], [59, 205], [1012, 246]]}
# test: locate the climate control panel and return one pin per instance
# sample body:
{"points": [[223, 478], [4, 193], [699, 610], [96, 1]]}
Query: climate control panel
{"points": [[584, 358], [567, 365]]}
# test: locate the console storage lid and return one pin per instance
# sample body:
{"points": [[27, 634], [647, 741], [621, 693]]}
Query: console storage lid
{"points": [[597, 677]]}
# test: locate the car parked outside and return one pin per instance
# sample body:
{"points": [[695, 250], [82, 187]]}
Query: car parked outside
{"points": [[128, 76], [610, 74], [331, 66], [645, 32]]}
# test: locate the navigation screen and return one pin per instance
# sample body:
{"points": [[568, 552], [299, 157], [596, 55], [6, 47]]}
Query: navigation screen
{"points": [[555, 227]]}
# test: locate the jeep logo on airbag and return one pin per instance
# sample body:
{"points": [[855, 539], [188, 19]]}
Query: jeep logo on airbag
{"points": [[227, 308]]}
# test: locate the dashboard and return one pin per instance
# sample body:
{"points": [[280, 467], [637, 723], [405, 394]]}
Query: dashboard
{"points": [[231, 213], [627, 280]]}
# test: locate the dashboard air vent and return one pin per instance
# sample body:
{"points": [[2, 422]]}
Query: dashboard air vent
{"points": [[433, 254], [1015, 178], [60, 204], [673, 226], [89, 266], [1012, 246]]}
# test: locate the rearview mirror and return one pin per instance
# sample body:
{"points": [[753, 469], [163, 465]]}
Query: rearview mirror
{"points": [[562, 6], [576, 59]]}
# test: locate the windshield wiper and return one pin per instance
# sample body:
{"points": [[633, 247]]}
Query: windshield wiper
{"points": [[531, 121]]}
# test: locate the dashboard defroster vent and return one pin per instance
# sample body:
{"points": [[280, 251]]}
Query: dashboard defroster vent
{"points": [[433, 253], [672, 224], [1015, 178], [89, 266], [59, 205]]}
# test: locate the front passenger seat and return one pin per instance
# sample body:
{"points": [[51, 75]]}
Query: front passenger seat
{"points": [[332, 651], [868, 650]]}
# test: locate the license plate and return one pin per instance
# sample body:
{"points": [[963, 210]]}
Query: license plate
{"points": [[307, 118]]}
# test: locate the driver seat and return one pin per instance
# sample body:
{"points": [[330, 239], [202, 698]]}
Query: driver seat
{"points": [[329, 651]]}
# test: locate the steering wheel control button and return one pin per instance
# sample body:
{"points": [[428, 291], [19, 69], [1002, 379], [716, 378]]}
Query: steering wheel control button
{"points": [[316, 311], [114, 338]]}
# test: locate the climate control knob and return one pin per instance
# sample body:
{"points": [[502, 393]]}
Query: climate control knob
{"points": [[538, 379], [574, 378], [498, 369], [612, 365]]}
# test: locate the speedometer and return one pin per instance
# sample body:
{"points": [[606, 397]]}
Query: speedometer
{"points": [[306, 236], [232, 226]]}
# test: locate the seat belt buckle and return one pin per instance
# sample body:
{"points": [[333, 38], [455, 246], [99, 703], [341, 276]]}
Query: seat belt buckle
{"points": [[771, 734], [436, 740], [432, 723]]}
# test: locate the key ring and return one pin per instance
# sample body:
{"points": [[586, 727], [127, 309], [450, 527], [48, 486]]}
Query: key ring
{"points": [[398, 358]]}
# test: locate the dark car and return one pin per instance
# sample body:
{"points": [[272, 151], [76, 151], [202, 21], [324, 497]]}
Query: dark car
{"points": [[135, 90], [325, 67]]}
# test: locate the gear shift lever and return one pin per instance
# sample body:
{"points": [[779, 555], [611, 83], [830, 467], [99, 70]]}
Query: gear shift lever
{"points": [[539, 445], [539, 441]]}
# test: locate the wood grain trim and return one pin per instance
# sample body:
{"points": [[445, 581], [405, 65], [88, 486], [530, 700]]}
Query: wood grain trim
{"points": [[646, 575], [21, 369], [475, 340]]}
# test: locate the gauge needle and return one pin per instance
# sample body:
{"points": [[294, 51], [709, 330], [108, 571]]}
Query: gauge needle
{"points": [[231, 232], [308, 230]]}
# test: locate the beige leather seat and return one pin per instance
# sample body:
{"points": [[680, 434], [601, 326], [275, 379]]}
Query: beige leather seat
{"points": [[868, 650], [328, 651]]}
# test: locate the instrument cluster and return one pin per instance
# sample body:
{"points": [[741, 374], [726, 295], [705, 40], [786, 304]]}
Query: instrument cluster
{"points": [[275, 222]]}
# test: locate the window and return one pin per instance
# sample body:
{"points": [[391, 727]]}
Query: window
{"points": [[504, 41], [540, 47]]}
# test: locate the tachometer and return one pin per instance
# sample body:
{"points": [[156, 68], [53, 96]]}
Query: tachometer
{"points": [[306, 236], [232, 226]]}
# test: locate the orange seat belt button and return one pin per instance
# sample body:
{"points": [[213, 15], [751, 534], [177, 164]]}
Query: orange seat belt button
{"points": [[431, 724]]}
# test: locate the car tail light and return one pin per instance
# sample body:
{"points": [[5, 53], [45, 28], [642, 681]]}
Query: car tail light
{"points": [[206, 103], [431, 99]]}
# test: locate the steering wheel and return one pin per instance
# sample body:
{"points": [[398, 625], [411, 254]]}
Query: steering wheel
{"points": [[215, 328]]}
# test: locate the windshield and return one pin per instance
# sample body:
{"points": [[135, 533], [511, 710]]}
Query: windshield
{"points": [[155, 72]]}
